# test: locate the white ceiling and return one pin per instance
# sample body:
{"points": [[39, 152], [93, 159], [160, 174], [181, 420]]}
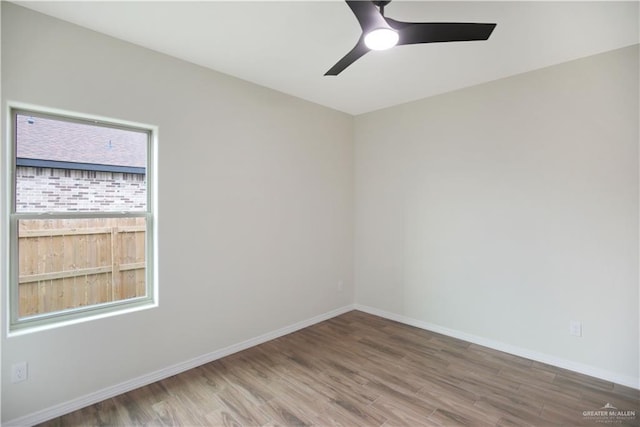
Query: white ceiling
{"points": [[288, 46]]}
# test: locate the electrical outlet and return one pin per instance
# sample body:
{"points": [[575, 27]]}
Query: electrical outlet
{"points": [[340, 285], [575, 328], [19, 372]]}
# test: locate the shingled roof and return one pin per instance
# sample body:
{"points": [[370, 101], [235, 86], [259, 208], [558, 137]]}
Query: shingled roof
{"points": [[63, 141]]}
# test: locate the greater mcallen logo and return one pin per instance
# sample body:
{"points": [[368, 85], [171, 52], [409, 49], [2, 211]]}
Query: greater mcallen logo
{"points": [[609, 414]]}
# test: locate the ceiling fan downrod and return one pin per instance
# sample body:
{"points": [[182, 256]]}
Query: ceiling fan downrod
{"points": [[381, 4]]}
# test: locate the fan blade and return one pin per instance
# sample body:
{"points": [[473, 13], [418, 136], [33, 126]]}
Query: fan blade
{"points": [[354, 54], [436, 32], [367, 14]]}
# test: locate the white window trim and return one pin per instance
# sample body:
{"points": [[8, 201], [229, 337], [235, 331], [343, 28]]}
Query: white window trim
{"points": [[17, 326]]}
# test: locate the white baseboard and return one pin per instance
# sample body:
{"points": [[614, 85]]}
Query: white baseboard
{"points": [[106, 393], [592, 371]]}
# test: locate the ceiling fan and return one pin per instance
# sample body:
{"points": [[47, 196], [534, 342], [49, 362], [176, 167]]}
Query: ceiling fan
{"points": [[380, 32]]}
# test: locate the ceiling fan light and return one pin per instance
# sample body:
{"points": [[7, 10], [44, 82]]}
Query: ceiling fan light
{"points": [[381, 39]]}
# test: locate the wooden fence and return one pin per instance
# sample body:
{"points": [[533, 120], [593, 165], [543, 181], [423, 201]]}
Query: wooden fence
{"points": [[69, 263]]}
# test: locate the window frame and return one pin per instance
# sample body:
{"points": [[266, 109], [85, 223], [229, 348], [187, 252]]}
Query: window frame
{"points": [[89, 312]]}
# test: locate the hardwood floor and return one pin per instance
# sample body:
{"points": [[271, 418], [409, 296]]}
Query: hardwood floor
{"points": [[358, 369]]}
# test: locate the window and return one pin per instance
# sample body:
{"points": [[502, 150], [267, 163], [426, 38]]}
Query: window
{"points": [[81, 217]]}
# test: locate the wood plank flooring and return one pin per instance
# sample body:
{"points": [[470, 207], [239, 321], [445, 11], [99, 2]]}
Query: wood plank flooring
{"points": [[362, 370]]}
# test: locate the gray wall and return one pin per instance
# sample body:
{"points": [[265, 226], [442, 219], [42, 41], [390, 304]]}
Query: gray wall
{"points": [[255, 207], [505, 210]]}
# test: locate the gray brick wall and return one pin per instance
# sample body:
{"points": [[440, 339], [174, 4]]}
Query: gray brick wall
{"points": [[49, 189]]}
